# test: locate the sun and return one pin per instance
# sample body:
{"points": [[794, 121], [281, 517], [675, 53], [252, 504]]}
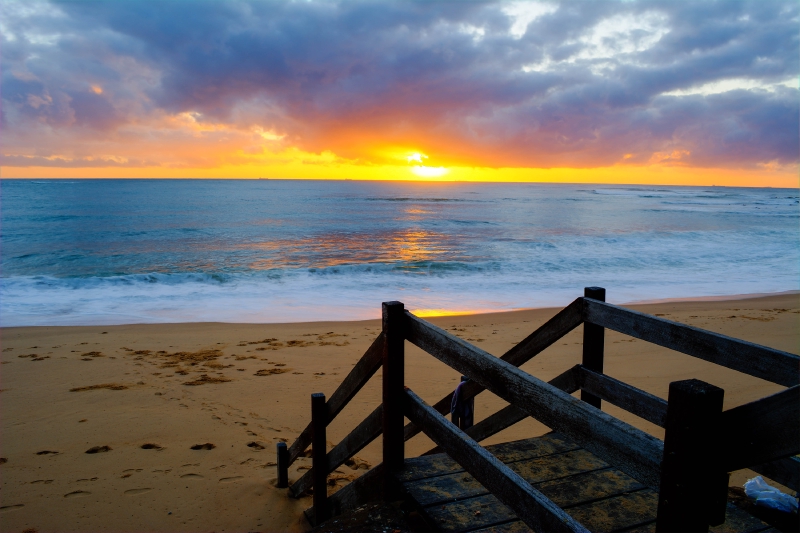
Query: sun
{"points": [[429, 172]]}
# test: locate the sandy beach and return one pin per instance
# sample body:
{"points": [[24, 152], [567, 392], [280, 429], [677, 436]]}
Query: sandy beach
{"points": [[173, 427]]}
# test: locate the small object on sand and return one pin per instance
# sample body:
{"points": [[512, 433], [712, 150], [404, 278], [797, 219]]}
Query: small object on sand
{"points": [[99, 449]]}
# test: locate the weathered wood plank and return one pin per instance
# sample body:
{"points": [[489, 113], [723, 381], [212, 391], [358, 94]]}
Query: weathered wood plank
{"points": [[562, 323], [393, 382], [367, 431], [620, 512], [364, 489], [487, 512], [766, 363], [761, 431], [593, 345], [283, 465], [319, 421], [508, 527], [629, 449], [529, 504], [359, 375], [427, 466], [785, 471], [636, 401], [694, 488], [466, 515], [588, 487], [738, 521], [510, 415], [462, 485]]}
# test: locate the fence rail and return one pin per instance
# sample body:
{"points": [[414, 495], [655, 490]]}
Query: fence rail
{"points": [[702, 443]]}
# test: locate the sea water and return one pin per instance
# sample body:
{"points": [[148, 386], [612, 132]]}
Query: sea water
{"points": [[139, 251]]}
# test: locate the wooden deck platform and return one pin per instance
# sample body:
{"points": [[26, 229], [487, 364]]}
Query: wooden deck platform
{"points": [[599, 496]]}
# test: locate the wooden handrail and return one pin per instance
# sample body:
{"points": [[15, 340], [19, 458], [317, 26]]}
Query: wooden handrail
{"points": [[636, 401], [759, 361], [367, 431], [631, 450], [530, 505], [551, 331], [761, 434], [510, 414], [360, 374], [761, 431]]}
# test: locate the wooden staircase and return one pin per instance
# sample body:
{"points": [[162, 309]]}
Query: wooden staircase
{"points": [[595, 472]]}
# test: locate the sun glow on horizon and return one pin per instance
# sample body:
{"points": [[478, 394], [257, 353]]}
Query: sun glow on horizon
{"points": [[429, 172]]}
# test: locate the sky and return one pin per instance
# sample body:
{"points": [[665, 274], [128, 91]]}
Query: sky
{"points": [[688, 92]]}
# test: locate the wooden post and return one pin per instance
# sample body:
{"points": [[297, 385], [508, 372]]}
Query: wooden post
{"points": [[689, 497], [319, 460], [283, 465], [593, 338], [468, 421], [393, 392]]}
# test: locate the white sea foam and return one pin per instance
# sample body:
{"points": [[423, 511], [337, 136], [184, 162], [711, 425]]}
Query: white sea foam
{"points": [[142, 252]]}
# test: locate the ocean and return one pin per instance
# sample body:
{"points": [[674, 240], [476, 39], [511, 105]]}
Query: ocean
{"points": [[77, 252]]}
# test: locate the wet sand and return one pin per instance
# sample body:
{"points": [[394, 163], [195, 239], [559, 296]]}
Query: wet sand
{"points": [[173, 427]]}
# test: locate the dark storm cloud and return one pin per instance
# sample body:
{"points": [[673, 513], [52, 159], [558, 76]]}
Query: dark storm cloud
{"points": [[584, 84]]}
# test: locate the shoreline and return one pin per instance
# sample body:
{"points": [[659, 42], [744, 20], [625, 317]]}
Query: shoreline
{"points": [[153, 393], [424, 313]]}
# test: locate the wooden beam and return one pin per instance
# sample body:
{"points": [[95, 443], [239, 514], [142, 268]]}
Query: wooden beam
{"points": [[283, 465], [593, 345], [765, 363], [689, 472], [364, 489], [631, 450], [319, 421], [393, 383], [359, 375], [636, 401], [785, 471], [510, 415], [761, 431], [562, 323], [530, 505], [367, 431]]}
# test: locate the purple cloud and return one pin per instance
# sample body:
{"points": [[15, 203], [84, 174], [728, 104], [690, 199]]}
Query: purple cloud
{"points": [[498, 84]]}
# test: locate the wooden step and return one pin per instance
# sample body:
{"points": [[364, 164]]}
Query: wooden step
{"points": [[599, 496]]}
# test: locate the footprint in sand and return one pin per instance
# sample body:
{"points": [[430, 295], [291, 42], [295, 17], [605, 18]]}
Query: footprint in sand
{"points": [[256, 445], [192, 476], [206, 446], [45, 481], [134, 492], [47, 452], [151, 446], [77, 494], [230, 479], [6, 508], [98, 449]]}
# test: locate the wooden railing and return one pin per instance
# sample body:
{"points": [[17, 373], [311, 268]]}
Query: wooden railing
{"points": [[689, 468]]}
